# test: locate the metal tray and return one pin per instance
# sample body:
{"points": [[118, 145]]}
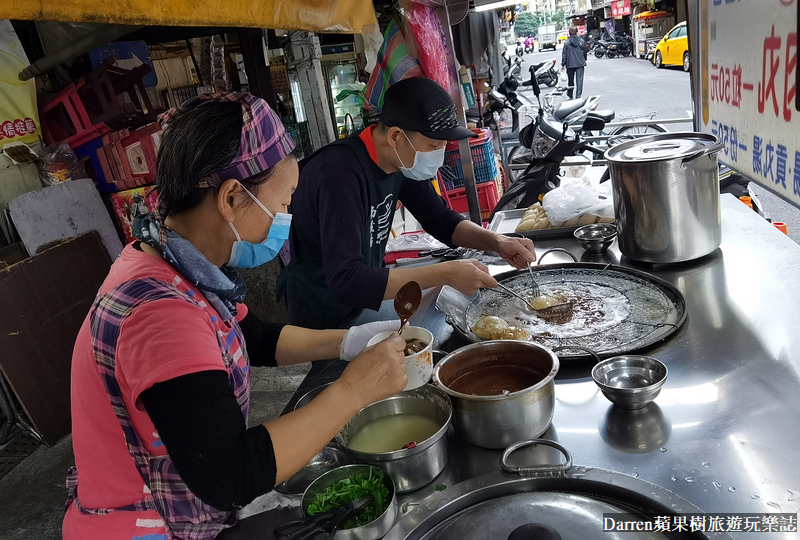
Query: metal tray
{"points": [[504, 222]]}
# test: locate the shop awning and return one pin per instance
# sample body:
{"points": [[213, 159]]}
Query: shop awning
{"points": [[645, 15], [340, 16]]}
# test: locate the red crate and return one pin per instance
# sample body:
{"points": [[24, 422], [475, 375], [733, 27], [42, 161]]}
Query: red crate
{"points": [[487, 198]]}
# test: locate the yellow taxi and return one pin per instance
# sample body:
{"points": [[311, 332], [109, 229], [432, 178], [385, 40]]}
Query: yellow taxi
{"points": [[673, 49]]}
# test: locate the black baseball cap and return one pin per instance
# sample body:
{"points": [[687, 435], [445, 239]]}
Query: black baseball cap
{"points": [[420, 104]]}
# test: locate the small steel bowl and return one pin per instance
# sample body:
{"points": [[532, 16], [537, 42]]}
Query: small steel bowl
{"points": [[597, 237], [370, 531], [630, 382]]}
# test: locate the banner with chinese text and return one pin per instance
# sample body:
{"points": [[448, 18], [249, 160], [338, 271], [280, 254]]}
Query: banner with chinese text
{"points": [[748, 88], [19, 120], [620, 8]]}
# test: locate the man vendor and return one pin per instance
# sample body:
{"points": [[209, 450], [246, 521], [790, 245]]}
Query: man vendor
{"points": [[345, 203]]}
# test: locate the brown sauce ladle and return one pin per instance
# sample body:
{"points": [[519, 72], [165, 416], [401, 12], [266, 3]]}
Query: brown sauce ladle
{"points": [[407, 301]]}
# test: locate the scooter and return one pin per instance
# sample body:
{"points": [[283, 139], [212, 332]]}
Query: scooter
{"points": [[622, 46], [504, 97], [520, 50], [545, 73], [511, 68], [600, 48], [550, 140]]}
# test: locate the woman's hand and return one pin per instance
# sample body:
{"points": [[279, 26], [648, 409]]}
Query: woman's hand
{"points": [[356, 339], [378, 372], [467, 276]]}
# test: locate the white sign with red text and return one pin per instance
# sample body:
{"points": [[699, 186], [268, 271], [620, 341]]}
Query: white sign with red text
{"points": [[748, 77]]}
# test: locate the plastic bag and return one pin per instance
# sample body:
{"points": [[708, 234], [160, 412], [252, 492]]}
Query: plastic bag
{"points": [[416, 241], [573, 200], [429, 40], [59, 164]]}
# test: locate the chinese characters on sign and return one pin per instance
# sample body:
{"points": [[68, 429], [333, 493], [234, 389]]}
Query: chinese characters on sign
{"points": [[750, 74], [693, 523], [620, 8], [17, 128]]}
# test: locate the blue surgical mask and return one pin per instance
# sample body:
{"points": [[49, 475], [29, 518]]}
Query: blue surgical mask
{"points": [[249, 255], [425, 163]]}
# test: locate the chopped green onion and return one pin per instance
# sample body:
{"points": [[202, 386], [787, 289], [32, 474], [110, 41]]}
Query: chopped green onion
{"points": [[350, 489]]}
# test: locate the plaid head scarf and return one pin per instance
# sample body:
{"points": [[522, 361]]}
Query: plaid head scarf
{"points": [[264, 139]]}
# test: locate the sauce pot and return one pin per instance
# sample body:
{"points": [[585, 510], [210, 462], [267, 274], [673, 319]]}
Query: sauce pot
{"points": [[499, 420], [666, 196]]}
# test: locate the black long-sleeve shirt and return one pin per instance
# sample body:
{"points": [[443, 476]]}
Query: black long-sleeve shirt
{"points": [[331, 206], [199, 421]]}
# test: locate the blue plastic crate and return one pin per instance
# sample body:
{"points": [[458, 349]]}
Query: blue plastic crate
{"points": [[482, 160]]}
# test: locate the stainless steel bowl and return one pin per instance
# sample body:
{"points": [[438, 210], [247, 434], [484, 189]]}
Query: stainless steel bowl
{"points": [[410, 468], [371, 531], [630, 382], [597, 237]]}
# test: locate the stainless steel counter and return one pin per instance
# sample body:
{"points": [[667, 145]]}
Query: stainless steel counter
{"points": [[725, 431]]}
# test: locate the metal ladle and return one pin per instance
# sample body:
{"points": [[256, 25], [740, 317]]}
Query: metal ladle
{"points": [[407, 301]]}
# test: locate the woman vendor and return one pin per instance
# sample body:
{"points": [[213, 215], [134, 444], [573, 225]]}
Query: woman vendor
{"points": [[160, 370]]}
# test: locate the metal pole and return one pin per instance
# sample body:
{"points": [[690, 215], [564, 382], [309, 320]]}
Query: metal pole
{"points": [[194, 61], [464, 151]]}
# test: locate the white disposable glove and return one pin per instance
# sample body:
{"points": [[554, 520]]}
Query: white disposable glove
{"points": [[356, 339]]}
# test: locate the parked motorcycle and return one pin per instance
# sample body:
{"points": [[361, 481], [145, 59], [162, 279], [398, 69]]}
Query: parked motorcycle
{"points": [[550, 140], [520, 50], [503, 97], [545, 73], [599, 47], [621, 46], [511, 68]]}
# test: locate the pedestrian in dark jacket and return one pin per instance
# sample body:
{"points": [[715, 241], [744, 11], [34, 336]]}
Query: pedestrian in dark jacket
{"points": [[573, 58]]}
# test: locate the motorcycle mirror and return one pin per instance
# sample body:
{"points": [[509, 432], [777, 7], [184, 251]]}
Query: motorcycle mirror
{"points": [[497, 96], [535, 85]]}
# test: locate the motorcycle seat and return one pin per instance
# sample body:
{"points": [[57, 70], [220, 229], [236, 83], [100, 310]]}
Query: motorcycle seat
{"points": [[566, 108], [605, 115], [534, 67]]}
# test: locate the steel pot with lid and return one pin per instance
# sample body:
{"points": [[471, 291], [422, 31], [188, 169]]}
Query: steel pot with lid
{"points": [[666, 196]]}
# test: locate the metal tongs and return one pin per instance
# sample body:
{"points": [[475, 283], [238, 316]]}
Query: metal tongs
{"points": [[328, 522], [536, 292]]}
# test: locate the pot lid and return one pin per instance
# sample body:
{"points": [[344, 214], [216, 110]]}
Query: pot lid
{"points": [[660, 147], [568, 515]]}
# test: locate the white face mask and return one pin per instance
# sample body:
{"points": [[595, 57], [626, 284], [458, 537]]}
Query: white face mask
{"points": [[425, 163]]}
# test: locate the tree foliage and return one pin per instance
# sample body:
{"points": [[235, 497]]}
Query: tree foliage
{"points": [[527, 24]]}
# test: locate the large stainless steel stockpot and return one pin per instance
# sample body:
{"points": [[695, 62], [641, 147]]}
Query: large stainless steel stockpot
{"points": [[666, 196]]}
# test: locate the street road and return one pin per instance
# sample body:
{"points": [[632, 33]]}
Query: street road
{"points": [[631, 86]]}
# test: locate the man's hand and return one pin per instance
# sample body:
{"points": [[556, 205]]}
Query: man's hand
{"points": [[518, 252], [467, 276]]}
